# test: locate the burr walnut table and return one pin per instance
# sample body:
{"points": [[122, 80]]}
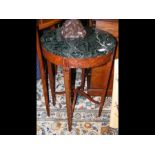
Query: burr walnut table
{"points": [[96, 49]]}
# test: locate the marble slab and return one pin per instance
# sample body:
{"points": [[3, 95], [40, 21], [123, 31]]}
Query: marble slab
{"points": [[95, 43]]}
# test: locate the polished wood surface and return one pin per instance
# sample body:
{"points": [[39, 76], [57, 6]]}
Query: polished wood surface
{"points": [[67, 82], [77, 62], [45, 23]]}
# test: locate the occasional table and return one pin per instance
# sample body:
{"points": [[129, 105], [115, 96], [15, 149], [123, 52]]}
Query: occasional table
{"points": [[96, 49]]}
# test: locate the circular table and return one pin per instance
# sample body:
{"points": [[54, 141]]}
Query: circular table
{"points": [[96, 49]]}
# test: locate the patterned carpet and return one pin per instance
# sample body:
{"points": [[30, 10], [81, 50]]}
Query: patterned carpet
{"points": [[85, 120]]}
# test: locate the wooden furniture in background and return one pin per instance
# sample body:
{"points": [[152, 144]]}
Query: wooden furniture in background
{"points": [[96, 79], [45, 23]]}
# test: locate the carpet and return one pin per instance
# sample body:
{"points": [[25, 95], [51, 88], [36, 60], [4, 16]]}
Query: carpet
{"points": [[85, 120]]}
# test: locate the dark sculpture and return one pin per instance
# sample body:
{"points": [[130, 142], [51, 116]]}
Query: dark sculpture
{"points": [[73, 29]]}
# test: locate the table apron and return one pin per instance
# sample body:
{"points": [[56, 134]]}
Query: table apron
{"points": [[77, 62]]}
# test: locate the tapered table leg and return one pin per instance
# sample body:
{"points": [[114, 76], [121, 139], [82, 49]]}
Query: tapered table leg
{"points": [[106, 87], [83, 79], [67, 82], [45, 91], [42, 73], [52, 81]]}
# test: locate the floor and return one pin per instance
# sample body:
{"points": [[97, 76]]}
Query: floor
{"points": [[85, 120]]}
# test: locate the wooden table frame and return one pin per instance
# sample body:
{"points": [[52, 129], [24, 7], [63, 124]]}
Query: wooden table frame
{"points": [[67, 64], [41, 25]]}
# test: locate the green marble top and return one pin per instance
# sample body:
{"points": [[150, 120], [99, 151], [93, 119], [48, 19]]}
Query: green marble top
{"points": [[95, 43]]}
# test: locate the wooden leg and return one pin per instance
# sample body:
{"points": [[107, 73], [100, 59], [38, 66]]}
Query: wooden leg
{"points": [[106, 87], [56, 69], [42, 73], [67, 82], [45, 89], [83, 79], [52, 81], [74, 101]]}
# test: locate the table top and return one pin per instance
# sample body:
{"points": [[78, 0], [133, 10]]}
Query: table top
{"points": [[95, 43]]}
